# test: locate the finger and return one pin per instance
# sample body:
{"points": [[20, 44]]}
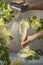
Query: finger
{"points": [[24, 39], [23, 44]]}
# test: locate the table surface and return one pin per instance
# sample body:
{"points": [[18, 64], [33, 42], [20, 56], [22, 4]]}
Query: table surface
{"points": [[27, 62]]}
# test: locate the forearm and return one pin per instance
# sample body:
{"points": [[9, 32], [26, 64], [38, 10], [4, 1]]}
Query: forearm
{"points": [[39, 34], [36, 6]]}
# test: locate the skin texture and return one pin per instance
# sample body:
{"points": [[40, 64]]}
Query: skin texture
{"points": [[31, 38], [36, 6], [21, 2], [33, 6]]}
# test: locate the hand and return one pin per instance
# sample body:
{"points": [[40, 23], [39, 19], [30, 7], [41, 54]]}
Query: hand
{"points": [[31, 38], [20, 2], [26, 40]]}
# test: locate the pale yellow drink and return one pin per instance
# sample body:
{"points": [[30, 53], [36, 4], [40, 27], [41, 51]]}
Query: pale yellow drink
{"points": [[23, 29]]}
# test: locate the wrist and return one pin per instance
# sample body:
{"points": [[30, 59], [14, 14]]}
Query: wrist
{"points": [[34, 36], [37, 35], [30, 6], [36, 6]]}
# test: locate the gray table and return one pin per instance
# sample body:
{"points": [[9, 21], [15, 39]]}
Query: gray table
{"points": [[25, 62]]}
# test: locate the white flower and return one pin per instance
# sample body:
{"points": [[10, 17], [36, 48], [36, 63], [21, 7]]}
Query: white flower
{"points": [[35, 24]]}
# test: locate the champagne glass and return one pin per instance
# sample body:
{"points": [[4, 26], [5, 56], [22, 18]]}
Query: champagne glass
{"points": [[23, 29]]}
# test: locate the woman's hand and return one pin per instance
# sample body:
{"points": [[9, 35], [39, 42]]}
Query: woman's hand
{"points": [[31, 38], [28, 39]]}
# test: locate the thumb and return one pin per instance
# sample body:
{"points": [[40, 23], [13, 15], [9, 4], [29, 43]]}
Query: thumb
{"points": [[24, 39]]}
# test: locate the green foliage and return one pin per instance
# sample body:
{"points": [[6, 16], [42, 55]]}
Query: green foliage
{"points": [[29, 57], [36, 57], [6, 14], [36, 23], [1, 40], [29, 21], [4, 56], [34, 17], [39, 52]]}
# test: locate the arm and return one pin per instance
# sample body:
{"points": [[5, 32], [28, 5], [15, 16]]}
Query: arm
{"points": [[39, 34], [36, 6], [31, 38], [32, 6]]}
